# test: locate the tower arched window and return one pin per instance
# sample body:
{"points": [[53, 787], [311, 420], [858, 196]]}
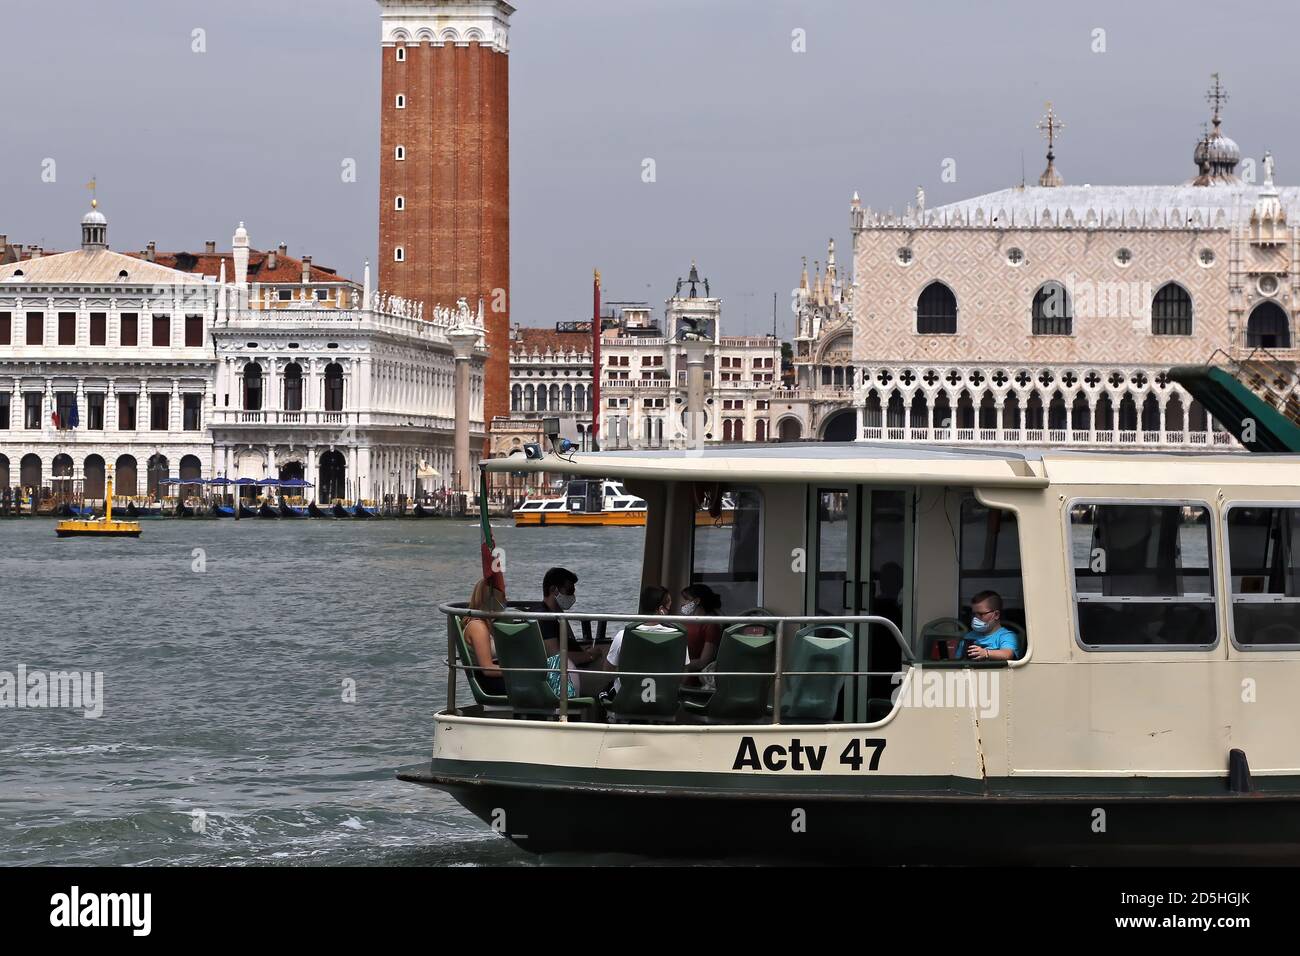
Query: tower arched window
{"points": [[399, 203], [1052, 313], [1171, 311], [399, 153], [936, 310], [399, 254], [401, 101], [401, 54]]}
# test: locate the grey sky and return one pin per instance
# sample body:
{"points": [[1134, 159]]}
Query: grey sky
{"points": [[758, 148]]}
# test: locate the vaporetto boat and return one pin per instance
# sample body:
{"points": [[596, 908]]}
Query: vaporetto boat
{"points": [[1150, 713]]}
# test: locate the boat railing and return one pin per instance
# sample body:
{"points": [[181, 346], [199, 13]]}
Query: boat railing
{"points": [[586, 619]]}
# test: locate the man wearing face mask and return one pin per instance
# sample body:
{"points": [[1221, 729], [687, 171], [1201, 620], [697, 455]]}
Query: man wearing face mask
{"points": [[988, 640], [558, 595]]}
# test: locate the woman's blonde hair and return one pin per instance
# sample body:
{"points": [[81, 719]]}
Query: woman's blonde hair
{"points": [[481, 599]]}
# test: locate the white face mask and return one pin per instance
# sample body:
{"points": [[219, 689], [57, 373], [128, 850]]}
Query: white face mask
{"points": [[690, 606], [979, 624], [565, 601]]}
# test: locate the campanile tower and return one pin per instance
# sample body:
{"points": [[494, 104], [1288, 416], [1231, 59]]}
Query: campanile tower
{"points": [[444, 167]]}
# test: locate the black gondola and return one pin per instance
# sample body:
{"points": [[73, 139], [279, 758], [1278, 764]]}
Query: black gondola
{"points": [[247, 512], [131, 510], [289, 512], [266, 511], [314, 510], [183, 510], [340, 512], [419, 511], [361, 511]]}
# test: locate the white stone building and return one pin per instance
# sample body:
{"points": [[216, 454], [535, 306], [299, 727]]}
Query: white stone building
{"points": [[644, 375], [116, 361], [105, 362], [354, 401]]}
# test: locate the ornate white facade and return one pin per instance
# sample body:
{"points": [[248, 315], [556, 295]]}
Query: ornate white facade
{"points": [[354, 401], [458, 22], [105, 363], [181, 375]]}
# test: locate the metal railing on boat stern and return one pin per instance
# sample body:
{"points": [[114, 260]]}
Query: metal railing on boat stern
{"points": [[586, 619]]}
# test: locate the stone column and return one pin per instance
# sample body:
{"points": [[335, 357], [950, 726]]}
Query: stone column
{"points": [[462, 341], [697, 354], [174, 407]]}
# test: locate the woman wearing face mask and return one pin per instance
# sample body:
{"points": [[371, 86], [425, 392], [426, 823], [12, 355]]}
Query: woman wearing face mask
{"points": [[478, 635], [702, 637]]}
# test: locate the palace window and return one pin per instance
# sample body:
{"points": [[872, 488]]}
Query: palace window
{"points": [[159, 411], [35, 328], [129, 332], [95, 411], [1171, 311], [334, 387], [6, 328], [64, 403], [98, 328], [67, 328], [936, 310], [293, 387], [193, 331], [285, 295], [1264, 568], [192, 411], [32, 410], [162, 331], [1143, 576], [1268, 327], [252, 387], [322, 295], [126, 403], [1052, 314]]}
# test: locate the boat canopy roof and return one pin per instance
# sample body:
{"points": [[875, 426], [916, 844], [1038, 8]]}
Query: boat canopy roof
{"points": [[897, 463]]}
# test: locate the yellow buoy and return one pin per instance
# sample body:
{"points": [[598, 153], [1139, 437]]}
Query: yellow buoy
{"points": [[104, 527]]}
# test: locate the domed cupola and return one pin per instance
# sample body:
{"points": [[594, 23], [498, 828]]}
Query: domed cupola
{"points": [[1216, 155], [94, 229]]}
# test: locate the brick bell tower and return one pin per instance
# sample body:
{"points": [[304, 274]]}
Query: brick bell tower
{"points": [[444, 167]]}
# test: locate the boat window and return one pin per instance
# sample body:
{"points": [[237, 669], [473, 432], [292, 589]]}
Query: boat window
{"points": [[530, 506], [834, 531], [725, 555], [1142, 575], [1264, 567], [621, 502], [553, 505], [990, 558]]}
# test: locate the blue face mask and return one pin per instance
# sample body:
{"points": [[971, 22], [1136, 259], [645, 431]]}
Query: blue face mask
{"points": [[979, 624]]}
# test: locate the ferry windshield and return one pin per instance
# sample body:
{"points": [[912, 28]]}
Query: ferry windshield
{"points": [[1264, 558]]}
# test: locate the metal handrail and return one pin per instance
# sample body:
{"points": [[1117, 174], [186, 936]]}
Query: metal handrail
{"points": [[775, 619]]}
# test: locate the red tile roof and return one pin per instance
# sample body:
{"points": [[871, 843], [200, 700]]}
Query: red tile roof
{"points": [[288, 270]]}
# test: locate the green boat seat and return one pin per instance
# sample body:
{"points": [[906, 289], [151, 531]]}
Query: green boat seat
{"points": [[1022, 640], [456, 634], [647, 651], [740, 700], [519, 644], [814, 697]]}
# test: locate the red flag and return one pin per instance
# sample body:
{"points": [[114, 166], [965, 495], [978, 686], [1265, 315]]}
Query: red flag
{"points": [[54, 417]]}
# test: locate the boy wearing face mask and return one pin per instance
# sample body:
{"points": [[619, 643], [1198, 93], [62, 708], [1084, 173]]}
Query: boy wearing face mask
{"points": [[988, 640]]}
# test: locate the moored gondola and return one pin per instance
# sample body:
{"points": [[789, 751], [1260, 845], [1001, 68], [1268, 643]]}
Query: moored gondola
{"points": [[361, 511], [288, 511], [247, 512], [264, 510], [340, 512], [314, 511], [420, 512], [223, 511], [183, 510]]}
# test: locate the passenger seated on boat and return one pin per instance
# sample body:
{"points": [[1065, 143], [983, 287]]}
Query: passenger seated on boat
{"points": [[655, 600], [988, 639], [702, 638], [478, 636], [559, 587]]}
